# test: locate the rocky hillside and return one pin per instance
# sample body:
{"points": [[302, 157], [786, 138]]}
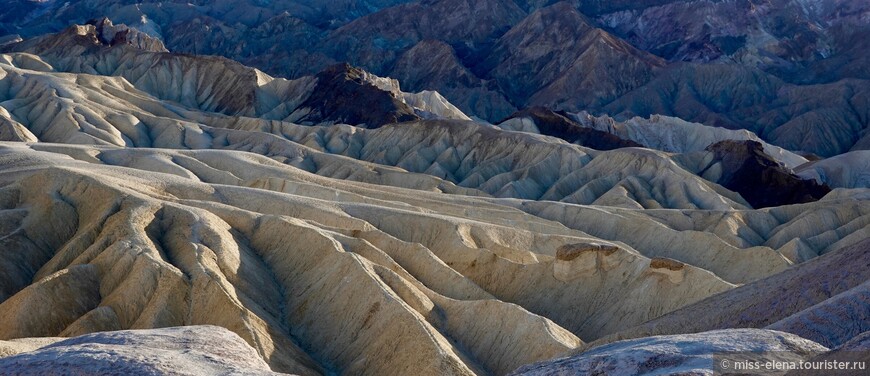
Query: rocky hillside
{"points": [[781, 69], [194, 350], [174, 213], [691, 354], [139, 192]]}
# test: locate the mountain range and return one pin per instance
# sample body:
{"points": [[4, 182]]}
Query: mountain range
{"points": [[792, 71], [436, 187]]}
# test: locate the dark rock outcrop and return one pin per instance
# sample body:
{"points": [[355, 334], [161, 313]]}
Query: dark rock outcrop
{"points": [[110, 34], [557, 124], [759, 178], [342, 95]]}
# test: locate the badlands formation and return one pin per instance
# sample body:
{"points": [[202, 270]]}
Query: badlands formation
{"points": [[794, 72], [180, 214]]}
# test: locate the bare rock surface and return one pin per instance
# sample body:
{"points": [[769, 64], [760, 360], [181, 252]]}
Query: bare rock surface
{"points": [[191, 350], [692, 354], [849, 170], [782, 69], [829, 308], [856, 350], [139, 192], [834, 321], [23, 345]]}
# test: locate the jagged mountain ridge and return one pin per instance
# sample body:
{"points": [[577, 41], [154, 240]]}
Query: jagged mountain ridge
{"points": [[563, 55], [307, 100], [311, 100], [148, 195], [162, 205], [657, 132], [102, 49], [761, 173], [490, 74], [679, 136], [825, 119]]}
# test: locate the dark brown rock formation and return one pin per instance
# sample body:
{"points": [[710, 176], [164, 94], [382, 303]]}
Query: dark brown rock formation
{"points": [[557, 124], [342, 95], [763, 182]]}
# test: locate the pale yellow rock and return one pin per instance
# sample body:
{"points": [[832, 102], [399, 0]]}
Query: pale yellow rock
{"points": [[583, 260], [23, 345], [147, 194]]}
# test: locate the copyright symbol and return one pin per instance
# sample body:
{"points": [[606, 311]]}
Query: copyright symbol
{"points": [[724, 363]]}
